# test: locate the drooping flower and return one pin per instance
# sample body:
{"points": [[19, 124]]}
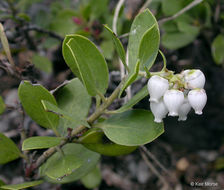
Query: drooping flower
{"points": [[184, 110], [173, 99], [159, 110], [157, 86], [197, 99], [194, 78]]}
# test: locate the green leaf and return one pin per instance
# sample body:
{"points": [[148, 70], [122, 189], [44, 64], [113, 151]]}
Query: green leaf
{"points": [[170, 7], [141, 26], [169, 26], [143, 45], [30, 97], [82, 56], [92, 179], [62, 23], [2, 105], [98, 8], [77, 153], [42, 63], [149, 47], [63, 114], [8, 150], [132, 128], [24, 17], [22, 185], [40, 142], [134, 100], [188, 28], [64, 165], [73, 99], [95, 140], [217, 49], [177, 40], [118, 46]]}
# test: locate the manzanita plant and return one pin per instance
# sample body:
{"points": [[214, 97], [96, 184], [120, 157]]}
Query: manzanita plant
{"points": [[82, 137]]}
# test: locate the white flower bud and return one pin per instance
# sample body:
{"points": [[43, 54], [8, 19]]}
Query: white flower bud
{"points": [[194, 78], [197, 99], [159, 110], [184, 110], [173, 99], [157, 86]]}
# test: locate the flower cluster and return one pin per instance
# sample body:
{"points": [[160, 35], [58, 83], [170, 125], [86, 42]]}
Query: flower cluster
{"points": [[175, 95]]}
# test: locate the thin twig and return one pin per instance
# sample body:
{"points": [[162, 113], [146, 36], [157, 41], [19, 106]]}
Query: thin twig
{"points": [[116, 14], [128, 90], [182, 11], [124, 35], [12, 71], [150, 155], [122, 68], [23, 135], [114, 27], [145, 5], [154, 170], [79, 129], [41, 30]]}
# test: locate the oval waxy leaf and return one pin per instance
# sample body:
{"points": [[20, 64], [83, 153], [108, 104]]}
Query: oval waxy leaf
{"points": [[176, 40], [149, 47], [217, 49], [40, 142], [95, 140], [132, 128], [76, 153], [8, 150], [73, 99], [30, 97], [144, 25], [62, 166], [22, 185], [83, 57], [92, 179], [143, 45]]}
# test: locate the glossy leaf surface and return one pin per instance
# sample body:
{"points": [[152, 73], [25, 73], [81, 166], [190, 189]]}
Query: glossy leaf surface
{"points": [[8, 150], [30, 96], [40, 142], [83, 57], [132, 128]]}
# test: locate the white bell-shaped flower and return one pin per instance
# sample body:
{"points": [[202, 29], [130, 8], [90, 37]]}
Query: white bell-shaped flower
{"points": [[184, 110], [173, 99], [159, 110], [194, 78], [197, 99], [157, 86]]}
